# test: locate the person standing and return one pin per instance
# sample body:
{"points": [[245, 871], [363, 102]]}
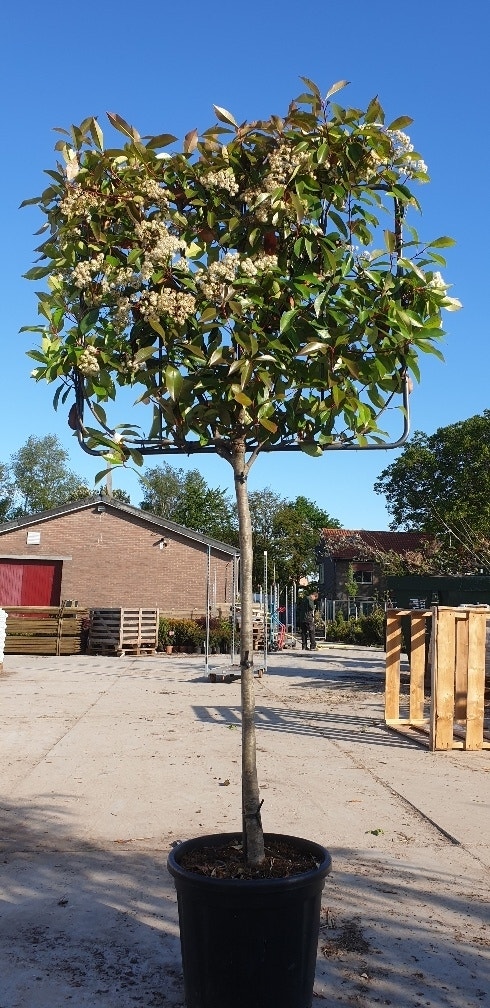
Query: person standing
{"points": [[307, 621]]}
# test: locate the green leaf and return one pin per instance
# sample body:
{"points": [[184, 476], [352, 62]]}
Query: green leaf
{"points": [[89, 321], [337, 219], [390, 239], [312, 449], [311, 349], [143, 354], [400, 123], [162, 140], [155, 325], [224, 116], [190, 141], [217, 357], [173, 381], [136, 456], [99, 412], [243, 399], [312, 86], [96, 134], [337, 87], [102, 474], [123, 127], [268, 424], [37, 273], [286, 320], [443, 242]]}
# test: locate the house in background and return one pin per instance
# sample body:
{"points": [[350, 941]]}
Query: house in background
{"points": [[103, 553], [344, 550]]}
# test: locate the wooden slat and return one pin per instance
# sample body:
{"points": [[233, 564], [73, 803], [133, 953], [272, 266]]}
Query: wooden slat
{"points": [[461, 668], [442, 716], [393, 653], [475, 703], [417, 666]]}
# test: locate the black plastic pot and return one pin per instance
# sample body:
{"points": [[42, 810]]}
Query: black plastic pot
{"points": [[249, 943]]}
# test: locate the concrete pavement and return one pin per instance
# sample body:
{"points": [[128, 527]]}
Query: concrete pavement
{"points": [[106, 762]]}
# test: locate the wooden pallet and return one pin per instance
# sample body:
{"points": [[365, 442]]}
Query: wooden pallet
{"points": [[44, 630], [456, 719], [123, 631]]}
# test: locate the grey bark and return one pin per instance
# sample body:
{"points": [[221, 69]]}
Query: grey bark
{"points": [[253, 837]]}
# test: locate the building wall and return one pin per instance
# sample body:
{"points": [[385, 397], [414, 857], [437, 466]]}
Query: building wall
{"points": [[111, 559], [336, 574]]}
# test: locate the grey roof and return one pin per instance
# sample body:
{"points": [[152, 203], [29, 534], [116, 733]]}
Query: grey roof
{"points": [[111, 503]]}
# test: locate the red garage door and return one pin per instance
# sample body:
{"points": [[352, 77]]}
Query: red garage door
{"points": [[30, 582]]}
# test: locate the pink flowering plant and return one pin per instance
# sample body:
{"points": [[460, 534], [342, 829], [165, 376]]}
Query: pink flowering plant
{"points": [[260, 286]]}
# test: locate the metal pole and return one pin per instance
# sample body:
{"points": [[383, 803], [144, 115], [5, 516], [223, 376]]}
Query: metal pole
{"points": [[206, 645], [233, 608], [265, 610]]}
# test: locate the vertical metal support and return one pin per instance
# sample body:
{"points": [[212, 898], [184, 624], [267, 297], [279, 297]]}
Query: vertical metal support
{"points": [[206, 645], [265, 609], [233, 606]]}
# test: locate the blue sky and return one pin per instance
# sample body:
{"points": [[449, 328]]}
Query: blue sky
{"points": [[162, 67]]}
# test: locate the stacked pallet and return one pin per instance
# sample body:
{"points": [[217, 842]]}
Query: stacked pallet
{"points": [[44, 630], [123, 631]]}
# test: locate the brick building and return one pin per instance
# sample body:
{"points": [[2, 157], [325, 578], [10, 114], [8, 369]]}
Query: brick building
{"points": [[359, 551], [104, 553]]}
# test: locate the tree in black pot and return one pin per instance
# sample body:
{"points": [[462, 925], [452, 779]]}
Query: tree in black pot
{"points": [[255, 285]]}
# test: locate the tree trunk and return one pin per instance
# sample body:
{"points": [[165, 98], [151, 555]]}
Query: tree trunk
{"points": [[253, 838]]}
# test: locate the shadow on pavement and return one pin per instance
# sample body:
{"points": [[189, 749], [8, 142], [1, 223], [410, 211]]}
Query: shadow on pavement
{"points": [[89, 926]]}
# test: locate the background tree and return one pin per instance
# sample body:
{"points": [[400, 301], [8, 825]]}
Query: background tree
{"points": [[41, 477], [297, 526], [263, 505], [440, 484], [186, 498], [7, 491], [254, 285]]}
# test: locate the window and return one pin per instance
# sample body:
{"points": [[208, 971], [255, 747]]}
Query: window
{"points": [[363, 576]]}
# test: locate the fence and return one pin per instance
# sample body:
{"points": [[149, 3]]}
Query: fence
{"points": [[44, 630], [348, 607], [453, 715]]}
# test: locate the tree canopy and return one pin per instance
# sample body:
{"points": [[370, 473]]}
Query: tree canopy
{"points": [[440, 484], [296, 529], [253, 288], [186, 498], [38, 478], [260, 286]]}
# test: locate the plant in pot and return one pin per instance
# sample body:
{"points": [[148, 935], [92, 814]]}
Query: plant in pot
{"points": [[256, 287]]}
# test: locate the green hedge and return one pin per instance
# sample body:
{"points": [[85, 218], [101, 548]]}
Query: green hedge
{"points": [[191, 634], [366, 630]]}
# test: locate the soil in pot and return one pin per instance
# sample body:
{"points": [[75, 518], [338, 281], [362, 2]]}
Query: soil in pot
{"points": [[282, 859]]}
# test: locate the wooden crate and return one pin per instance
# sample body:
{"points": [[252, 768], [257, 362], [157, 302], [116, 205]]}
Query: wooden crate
{"points": [[456, 715], [123, 631], [44, 630]]}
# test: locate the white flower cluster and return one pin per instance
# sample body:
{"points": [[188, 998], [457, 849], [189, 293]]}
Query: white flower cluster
{"points": [[222, 179], [260, 264], [154, 193], [402, 148], [77, 202], [88, 362], [154, 234], [438, 282], [178, 305], [283, 161], [119, 277], [84, 272], [214, 281], [121, 314]]}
